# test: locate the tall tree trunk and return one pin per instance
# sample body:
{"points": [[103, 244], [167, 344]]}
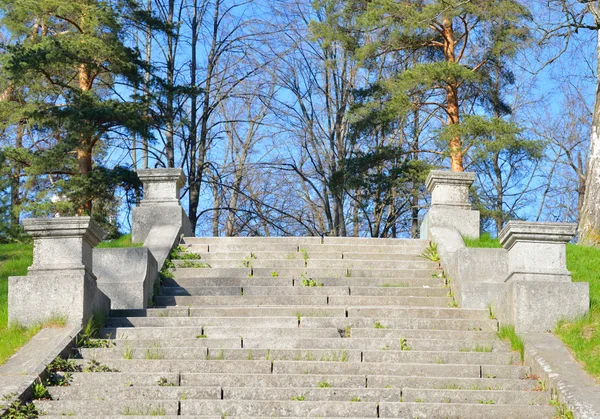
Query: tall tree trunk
{"points": [[194, 191], [204, 120], [15, 183], [170, 111], [452, 101], [86, 144], [589, 222]]}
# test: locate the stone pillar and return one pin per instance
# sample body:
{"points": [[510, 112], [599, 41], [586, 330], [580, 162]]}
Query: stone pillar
{"points": [[160, 205], [450, 205], [539, 289], [60, 281]]}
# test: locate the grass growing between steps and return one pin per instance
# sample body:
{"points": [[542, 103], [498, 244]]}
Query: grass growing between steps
{"points": [[121, 242], [516, 343], [582, 336]]}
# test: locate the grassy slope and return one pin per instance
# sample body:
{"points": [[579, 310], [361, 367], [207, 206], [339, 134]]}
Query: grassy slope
{"points": [[581, 335], [123, 241], [14, 260]]}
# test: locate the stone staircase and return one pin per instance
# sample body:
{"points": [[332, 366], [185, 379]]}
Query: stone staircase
{"points": [[297, 327]]}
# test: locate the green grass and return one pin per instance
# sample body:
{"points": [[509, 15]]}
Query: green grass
{"points": [[583, 335], [516, 343], [121, 242], [484, 241], [15, 258]]}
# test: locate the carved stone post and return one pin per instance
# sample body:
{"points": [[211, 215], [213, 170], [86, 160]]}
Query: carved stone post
{"points": [[160, 205], [450, 205], [540, 291], [60, 281]]}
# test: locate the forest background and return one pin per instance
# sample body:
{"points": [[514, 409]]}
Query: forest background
{"points": [[297, 117]]}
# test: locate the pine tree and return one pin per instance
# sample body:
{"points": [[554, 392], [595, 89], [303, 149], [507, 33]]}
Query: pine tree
{"points": [[458, 44], [74, 52]]}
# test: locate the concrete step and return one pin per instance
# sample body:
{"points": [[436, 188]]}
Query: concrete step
{"points": [[416, 344], [246, 408], [253, 240], [301, 300], [311, 394], [260, 290], [291, 246], [539, 398], [338, 355], [253, 256], [215, 332], [400, 323], [386, 283], [303, 290], [164, 366], [239, 300], [299, 273], [262, 322], [355, 381], [417, 312], [462, 411], [151, 392], [434, 345], [308, 263], [376, 313], [419, 370], [122, 380], [103, 408], [252, 408], [300, 321]]}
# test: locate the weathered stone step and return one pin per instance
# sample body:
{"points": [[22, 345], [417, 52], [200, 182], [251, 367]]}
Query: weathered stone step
{"points": [[335, 355], [152, 392], [275, 264], [311, 394], [239, 300], [299, 273], [419, 370], [251, 408], [233, 263], [416, 344], [169, 365], [476, 396], [278, 408], [248, 291], [125, 379], [355, 381], [400, 323], [252, 256], [417, 312], [365, 241], [263, 322], [215, 332], [121, 380], [353, 312], [421, 334], [312, 367], [386, 283], [102, 408], [306, 321], [301, 300], [318, 343], [462, 411], [303, 290], [253, 240]]}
